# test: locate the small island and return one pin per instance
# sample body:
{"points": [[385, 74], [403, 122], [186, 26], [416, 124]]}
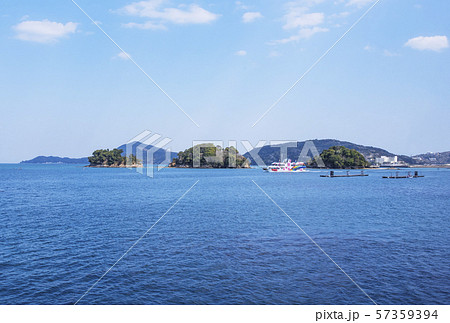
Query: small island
{"points": [[210, 156], [112, 158], [339, 157]]}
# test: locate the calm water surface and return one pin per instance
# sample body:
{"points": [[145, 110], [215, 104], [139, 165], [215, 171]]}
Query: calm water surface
{"points": [[225, 242]]}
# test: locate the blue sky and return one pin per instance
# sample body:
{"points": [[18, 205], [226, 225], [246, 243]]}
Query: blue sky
{"points": [[66, 89]]}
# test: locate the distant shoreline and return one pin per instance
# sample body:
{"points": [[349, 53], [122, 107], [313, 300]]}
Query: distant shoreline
{"points": [[446, 166], [429, 166], [115, 166]]}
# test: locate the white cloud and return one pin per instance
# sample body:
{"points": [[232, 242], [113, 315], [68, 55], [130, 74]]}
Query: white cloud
{"points": [[145, 25], [123, 55], [339, 15], [388, 53], [297, 17], [434, 43], [308, 32], [44, 31], [359, 3], [308, 3], [274, 53], [155, 10], [303, 33], [241, 6], [251, 16], [241, 53]]}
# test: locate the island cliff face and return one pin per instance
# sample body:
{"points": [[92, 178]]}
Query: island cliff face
{"points": [[210, 156]]}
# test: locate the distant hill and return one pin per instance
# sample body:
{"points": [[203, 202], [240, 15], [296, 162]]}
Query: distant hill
{"points": [[159, 156], [433, 158], [270, 154], [55, 160]]}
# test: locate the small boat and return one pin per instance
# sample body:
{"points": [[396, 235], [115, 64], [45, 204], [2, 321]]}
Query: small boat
{"points": [[287, 166]]}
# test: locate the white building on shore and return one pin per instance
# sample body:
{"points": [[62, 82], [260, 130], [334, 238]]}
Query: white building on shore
{"points": [[385, 161]]}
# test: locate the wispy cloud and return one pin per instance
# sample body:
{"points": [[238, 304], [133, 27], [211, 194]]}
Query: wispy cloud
{"points": [[251, 16], [359, 3], [388, 53], [241, 53], [161, 14], [298, 17], [303, 33], [44, 31], [307, 3], [339, 15], [124, 56], [433, 43], [241, 6], [146, 25], [274, 53]]}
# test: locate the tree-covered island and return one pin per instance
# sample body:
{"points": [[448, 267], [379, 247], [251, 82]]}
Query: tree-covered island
{"points": [[210, 156], [339, 157], [112, 158]]}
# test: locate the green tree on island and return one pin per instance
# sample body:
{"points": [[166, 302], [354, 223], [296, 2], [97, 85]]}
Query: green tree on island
{"points": [[111, 158], [211, 156], [339, 157]]}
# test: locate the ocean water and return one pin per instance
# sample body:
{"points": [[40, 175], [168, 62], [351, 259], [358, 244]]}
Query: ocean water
{"points": [[225, 242]]}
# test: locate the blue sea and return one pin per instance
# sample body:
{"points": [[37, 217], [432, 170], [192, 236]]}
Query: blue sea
{"points": [[225, 242]]}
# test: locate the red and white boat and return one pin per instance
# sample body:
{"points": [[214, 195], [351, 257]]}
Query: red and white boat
{"points": [[286, 166]]}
